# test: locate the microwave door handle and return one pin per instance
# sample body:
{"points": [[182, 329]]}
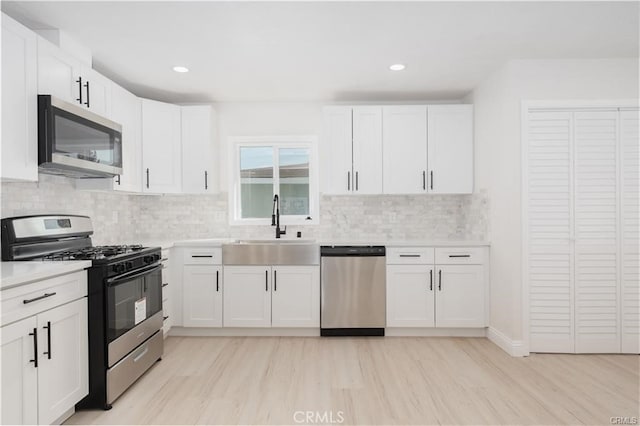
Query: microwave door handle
{"points": [[131, 275]]}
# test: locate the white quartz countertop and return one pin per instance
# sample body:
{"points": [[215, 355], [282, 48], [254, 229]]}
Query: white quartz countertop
{"points": [[205, 242], [401, 243], [216, 242], [19, 273]]}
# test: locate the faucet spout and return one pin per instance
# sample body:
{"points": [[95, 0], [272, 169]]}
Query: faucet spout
{"points": [[275, 217]]}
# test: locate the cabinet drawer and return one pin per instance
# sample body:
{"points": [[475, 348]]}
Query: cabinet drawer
{"points": [[410, 256], [459, 256], [203, 256], [30, 299]]}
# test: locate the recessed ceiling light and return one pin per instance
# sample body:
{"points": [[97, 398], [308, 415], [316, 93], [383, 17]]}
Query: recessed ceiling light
{"points": [[397, 67], [181, 69]]}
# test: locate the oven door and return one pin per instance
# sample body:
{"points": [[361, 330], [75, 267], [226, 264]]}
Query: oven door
{"points": [[132, 299]]}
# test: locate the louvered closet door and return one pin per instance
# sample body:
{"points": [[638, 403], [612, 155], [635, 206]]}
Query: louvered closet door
{"points": [[597, 304], [630, 294], [549, 221]]}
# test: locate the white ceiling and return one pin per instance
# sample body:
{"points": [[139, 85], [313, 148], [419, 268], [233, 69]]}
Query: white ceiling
{"points": [[328, 51]]}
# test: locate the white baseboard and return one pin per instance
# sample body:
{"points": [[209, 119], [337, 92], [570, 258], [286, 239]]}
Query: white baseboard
{"points": [[243, 332], [434, 332], [512, 347]]}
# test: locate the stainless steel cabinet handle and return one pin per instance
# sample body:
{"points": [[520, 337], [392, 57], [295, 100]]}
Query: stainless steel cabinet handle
{"points": [[48, 327], [430, 279], [275, 280], [147, 178], [409, 255], [201, 255], [431, 179], [35, 347], [217, 281], [79, 81], [87, 103], [206, 184], [424, 180], [440, 280], [459, 255], [356, 181], [266, 280], [348, 181], [44, 296]]}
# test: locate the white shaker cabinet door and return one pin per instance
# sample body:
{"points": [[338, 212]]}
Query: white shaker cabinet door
{"points": [[404, 140], [97, 92], [161, 147], [247, 296], [459, 292], [202, 296], [410, 296], [19, 102], [197, 160], [337, 159], [63, 359], [450, 149], [19, 373], [296, 296], [367, 150], [126, 110]]}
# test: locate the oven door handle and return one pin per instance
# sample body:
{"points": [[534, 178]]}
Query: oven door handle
{"points": [[133, 274]]}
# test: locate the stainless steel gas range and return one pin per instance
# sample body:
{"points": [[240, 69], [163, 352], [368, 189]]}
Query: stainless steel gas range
{"points": [[124, 297]]}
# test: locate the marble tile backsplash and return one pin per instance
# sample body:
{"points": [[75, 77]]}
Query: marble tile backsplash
{"points": [[119, 218]]}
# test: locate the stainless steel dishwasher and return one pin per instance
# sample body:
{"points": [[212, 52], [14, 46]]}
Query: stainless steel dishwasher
{"points": [[353, 291]]}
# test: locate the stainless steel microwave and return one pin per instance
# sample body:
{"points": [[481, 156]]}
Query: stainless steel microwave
{"points": [[75, 142]]}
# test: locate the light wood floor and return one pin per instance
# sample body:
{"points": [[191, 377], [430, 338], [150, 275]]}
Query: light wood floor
{"points": [[392, 380]]}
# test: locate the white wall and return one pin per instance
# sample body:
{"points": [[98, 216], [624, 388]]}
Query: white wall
{"points": [[262, 119], [498, 154]]}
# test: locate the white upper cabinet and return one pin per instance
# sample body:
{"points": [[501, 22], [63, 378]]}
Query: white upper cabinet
{"points": [[404, 140], [197, 159], [337, 152], [367, 150], [450, 149], [97, 91], [161, 147], [353, 150], [63, 76], [127, 111], [19, 102]]}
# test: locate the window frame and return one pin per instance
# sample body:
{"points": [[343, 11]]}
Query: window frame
{"points": [[309, 142]]}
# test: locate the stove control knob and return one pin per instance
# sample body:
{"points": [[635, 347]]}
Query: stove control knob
{"points": [[129, 265], [156, 257], [147, 259], [118, 268]]}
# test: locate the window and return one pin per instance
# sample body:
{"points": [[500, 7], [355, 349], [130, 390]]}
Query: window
{"points": [[268, 166]]}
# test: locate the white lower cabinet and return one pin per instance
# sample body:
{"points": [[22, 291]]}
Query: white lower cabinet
{"points": [[410, 296], [202, 296], [421, 293], [167, 289], [271, 296], [295, 299], [44, 359], [63, 359], [247, 296], [460, 296], [19, 375]]}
